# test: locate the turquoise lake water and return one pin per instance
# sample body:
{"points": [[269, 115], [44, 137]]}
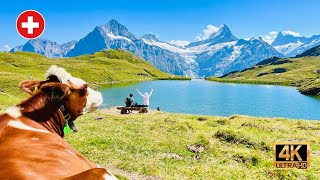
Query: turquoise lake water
{"points": [[219, 99]]}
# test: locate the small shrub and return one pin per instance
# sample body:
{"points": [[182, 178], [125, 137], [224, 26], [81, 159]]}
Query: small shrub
{"points": [[254, 160], [249, 124], [202, 119], [233, 138], [235, 116], [279, 70], [184, 126], [254, 125], [222, 121], [211, 124], [203, 140], [262, 74]]}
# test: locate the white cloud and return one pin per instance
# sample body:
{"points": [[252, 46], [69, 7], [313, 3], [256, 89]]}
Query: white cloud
{"points": [[291, 33], [180, 43], [207, 32], [7, 47], [270, 37]]}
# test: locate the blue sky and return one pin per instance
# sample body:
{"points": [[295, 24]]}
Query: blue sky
{"points": [[170, 20]]}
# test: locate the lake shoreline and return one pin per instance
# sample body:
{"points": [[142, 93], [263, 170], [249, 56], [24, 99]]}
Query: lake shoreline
{"points": [[219, 99], [114, 111], [237, 81], [302, 87]]}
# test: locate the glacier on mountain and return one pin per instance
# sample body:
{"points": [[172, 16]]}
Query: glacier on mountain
{"points": [[291, 43]]}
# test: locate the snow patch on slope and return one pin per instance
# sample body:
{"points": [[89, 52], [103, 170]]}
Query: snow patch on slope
{"points": [[226, 61], [112, 37], [164, 45], [217, 47], [179, 43], [235, 54], [288, 48]]}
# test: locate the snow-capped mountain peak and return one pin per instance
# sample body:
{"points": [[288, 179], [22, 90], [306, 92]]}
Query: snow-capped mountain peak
{"points": [[115, 28], [286, 38], [150, 37], [292, 33], [221, 36], [222, 29]]}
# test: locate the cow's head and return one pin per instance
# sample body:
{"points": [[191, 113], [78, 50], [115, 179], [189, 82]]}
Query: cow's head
{"points": [[75, 102], [71, 97]]}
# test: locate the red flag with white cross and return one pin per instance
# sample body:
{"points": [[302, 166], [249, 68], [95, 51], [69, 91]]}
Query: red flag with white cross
{"points": [[30, 24]]}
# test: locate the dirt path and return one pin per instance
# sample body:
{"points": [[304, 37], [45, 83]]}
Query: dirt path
{"points": [[131, 175]]}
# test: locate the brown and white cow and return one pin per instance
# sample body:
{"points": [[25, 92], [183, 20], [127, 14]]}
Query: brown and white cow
{"points": [[31, 143]]}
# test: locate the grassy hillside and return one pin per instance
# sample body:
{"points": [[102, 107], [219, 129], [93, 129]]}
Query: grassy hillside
{"points": [[301, 72], [236, 147], [105, 67]]}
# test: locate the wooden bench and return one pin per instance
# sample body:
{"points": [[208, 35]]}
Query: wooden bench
{"points": [[126, 110]]}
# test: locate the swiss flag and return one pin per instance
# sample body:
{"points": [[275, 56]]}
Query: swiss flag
{"points": [[30, 24]]}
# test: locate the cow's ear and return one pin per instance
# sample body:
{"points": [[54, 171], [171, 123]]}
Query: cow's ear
{"points": [[83, 90], [56, 91], [53, 78], [30, 86]]}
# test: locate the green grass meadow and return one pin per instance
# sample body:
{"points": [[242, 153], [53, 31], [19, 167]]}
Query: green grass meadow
{"points": [[236, 147]]}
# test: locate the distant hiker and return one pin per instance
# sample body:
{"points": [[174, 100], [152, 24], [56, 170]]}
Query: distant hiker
{"points": [[129, 100], [158, 108], [145, 97]]}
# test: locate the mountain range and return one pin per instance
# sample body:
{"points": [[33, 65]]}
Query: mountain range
{"points": [[291, 45], [219, 54], [46, 47]]}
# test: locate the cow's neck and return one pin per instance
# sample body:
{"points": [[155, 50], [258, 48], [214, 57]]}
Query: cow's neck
{"points": [[55, 123], [45, 113], [52, 120]]}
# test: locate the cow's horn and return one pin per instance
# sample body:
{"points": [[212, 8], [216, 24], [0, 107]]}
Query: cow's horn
{"points": [[72, 126]]}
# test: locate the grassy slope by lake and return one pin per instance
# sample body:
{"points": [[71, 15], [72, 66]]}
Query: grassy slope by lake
{"points": [[155, 144], [105, 67], [301, 72]]}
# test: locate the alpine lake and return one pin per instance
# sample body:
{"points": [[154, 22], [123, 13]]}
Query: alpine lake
{"points": [[218, 99]]}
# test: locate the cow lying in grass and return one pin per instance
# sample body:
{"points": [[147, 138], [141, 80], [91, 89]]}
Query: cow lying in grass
{"points": [[58, 74], [31, 144]]}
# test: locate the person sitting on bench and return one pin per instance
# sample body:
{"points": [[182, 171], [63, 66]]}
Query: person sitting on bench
{"points": [[145, 97], [129, 100]]}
